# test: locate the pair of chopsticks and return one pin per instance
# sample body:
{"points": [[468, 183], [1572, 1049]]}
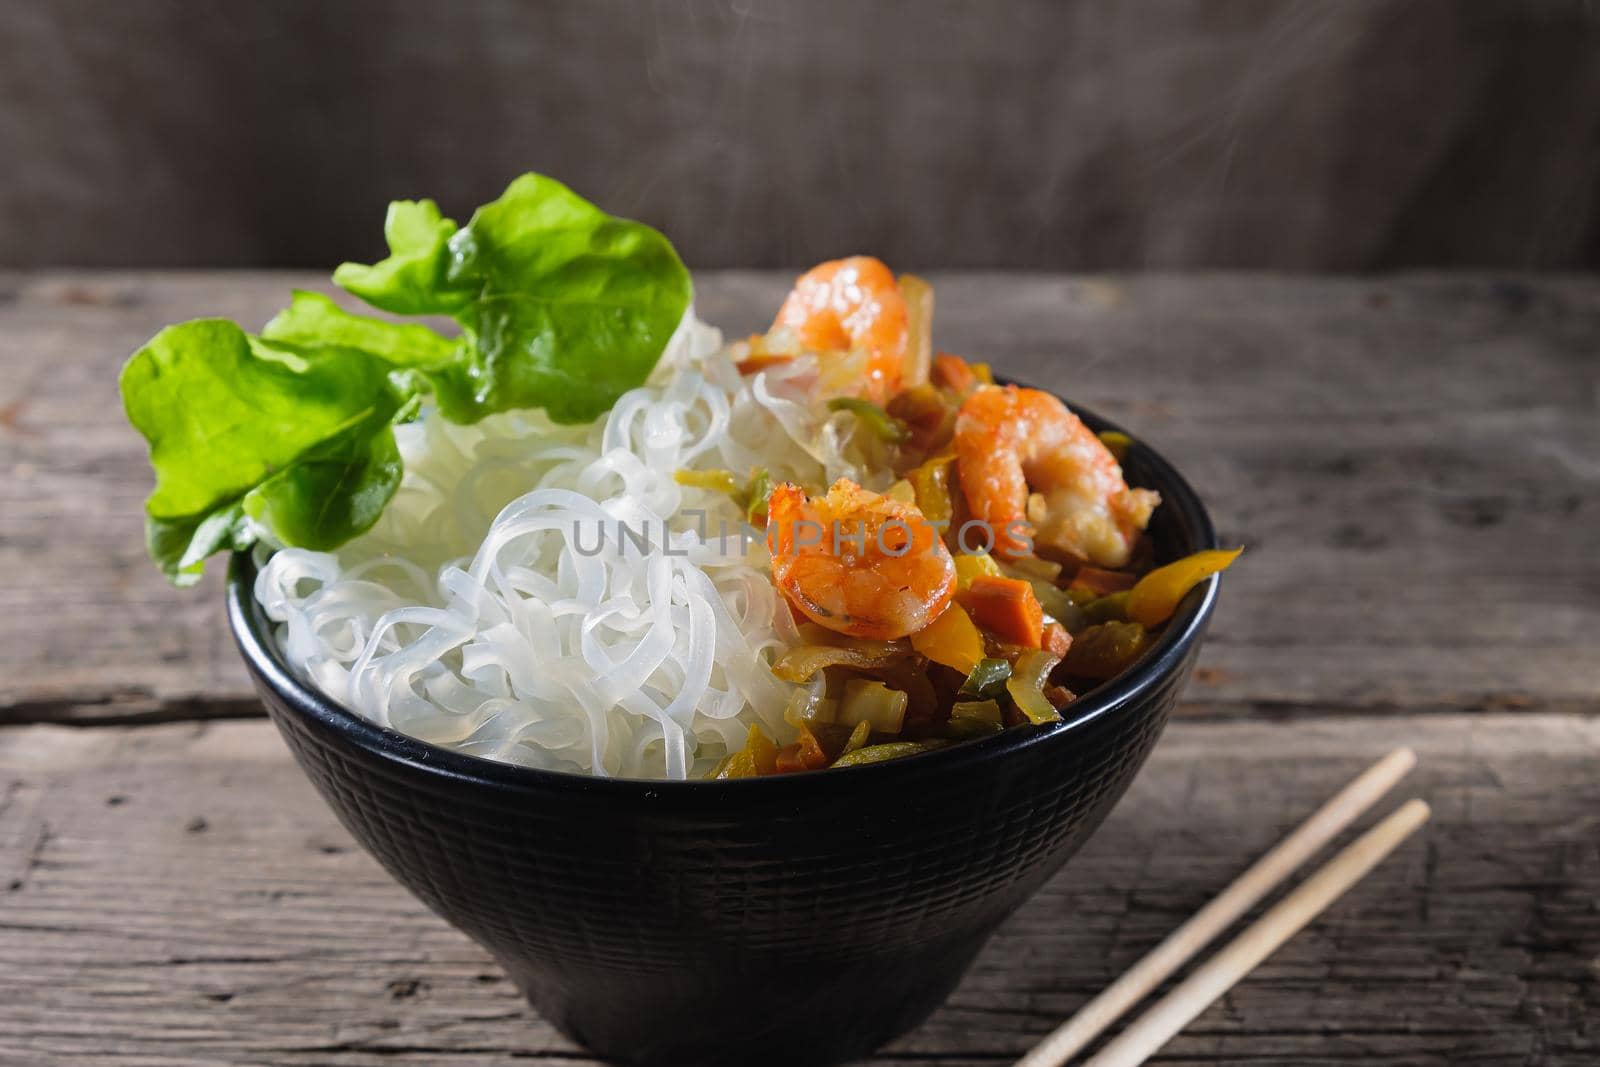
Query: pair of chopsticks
{"points": [[1288, 917]]}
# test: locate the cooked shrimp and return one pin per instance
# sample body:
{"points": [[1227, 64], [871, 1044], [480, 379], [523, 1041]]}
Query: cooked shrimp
{"points": [[857, 562], [1009, 440], [851, 307]]}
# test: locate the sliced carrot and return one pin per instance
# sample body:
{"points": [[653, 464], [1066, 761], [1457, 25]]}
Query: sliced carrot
{"points": [[1059, 695], [1007, 608], [1102, 582], [1056, 640], [953, 372], [803, 755], [755, 364]]}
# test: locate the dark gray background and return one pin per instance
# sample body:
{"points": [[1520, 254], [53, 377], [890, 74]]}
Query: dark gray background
{"points": [[1335, 135]]}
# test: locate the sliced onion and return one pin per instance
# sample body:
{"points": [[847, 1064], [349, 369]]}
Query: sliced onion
{"points": [[1026, 686], [799, 664]]}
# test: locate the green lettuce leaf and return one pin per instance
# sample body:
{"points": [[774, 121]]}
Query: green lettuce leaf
{"points": [[563, 307], [412, 280], [225, 414], [331, 494], [181, 546], [313, 322], [560, 307]]}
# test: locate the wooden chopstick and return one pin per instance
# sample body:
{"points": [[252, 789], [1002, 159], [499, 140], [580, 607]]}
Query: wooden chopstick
{"points": [[1259, 940], [1225, 908]]}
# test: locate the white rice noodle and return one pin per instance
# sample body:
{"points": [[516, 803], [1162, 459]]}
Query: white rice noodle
{"points": [[498, 609]]}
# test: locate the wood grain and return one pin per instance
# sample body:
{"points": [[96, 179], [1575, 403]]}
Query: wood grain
{"points": [[178, 895], [1410, 461]]}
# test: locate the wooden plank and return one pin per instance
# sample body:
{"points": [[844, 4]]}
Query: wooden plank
{"points": [[177, 894], [1411, 461]]}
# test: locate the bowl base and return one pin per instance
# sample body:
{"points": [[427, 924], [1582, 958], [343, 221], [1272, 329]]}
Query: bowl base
{"points": [[804, 1015]]}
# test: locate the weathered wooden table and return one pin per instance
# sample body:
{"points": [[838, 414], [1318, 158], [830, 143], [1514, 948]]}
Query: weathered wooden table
{"points": [[1414, 463]]}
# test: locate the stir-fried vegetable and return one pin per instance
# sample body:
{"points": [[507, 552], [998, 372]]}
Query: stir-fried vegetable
{"points": [[1007, 607], [1026, 686], [750, 496], [763, 753], [975, 718], [963, 728], [918, 296], [929, 412], [969, 567], [910, 676], [889, 751], [756, 494], [1056, 602], [1034, 567], [798, 664], [1091, 632], [1153, 600], [988, 679], [810, 705], [1057, 639], [1106, 650], [882, 425], [951, 639], [931, 484], [857, 739], [1101, 582], [758, 757], [1117, 443], [759, 360], [806, 754], [978, 710], [718, 481], [953, 373], [873, 703], [1113, 607]]}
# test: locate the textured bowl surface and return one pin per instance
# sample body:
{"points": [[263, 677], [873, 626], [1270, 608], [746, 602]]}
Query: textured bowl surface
{"points": [[801, 919]]}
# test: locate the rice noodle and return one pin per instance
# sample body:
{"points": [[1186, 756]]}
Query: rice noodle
{"points": [[498, 609]]}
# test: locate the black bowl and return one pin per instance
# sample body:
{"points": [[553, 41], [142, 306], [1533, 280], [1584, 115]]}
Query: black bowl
{"points": [[800, 919]]}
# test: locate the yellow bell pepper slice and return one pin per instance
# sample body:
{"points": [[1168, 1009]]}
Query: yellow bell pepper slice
{"points": [[1155, 597], [970, 567], [951, 639], [763, 753], [758, 757], [931, 485], [738, 765], [1117, 443]]}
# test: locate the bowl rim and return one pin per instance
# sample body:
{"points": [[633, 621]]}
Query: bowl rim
{"points": [[252, 634]]}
